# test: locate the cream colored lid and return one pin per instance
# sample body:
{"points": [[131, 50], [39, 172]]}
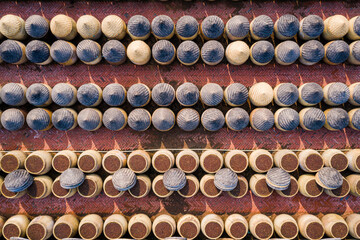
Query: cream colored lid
{"points": [[61, 25], [261, 94], [337, 26], [237, 52], [88, 26], [112, 26], [138, 52], [11, 25]]}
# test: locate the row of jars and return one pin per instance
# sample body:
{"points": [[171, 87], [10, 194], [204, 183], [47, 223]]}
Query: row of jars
{"points": [[187, 94], [92, 185], [188, 52], [187, 119], [186, 28], [187, 160], [188, 226]]}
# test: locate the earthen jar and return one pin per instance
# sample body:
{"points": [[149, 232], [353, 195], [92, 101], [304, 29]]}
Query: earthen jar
{"points": [[7, 194], [236, 160], [90, 227], [109, 188], [241, 188], [335, 226], [40, 227], [308, 186], [310, 227], [163, 160], [41, 187], [261, 227], [191, 188], [286, 226], [188, 226], [139, 226], [163, 226], [353, 221], [336, 159], [89, 161], [60, 192], [259, 186], [188, 161], [207, 186], [310, 160], [91, 187], [292, 190], [15, 226], [211, 161], [354, 160], [159, 188], [340, 192], [142, 187], [261, 160], [66, 227], [236, 226], [354, 181], [12, 161], [115, 226], [38, 162], [212, 226], [286, 160], [113, 161], [63, 160], [139, 161]]}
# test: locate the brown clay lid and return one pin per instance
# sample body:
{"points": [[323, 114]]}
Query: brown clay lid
{"points": [[238, 163], [292, 189], [263, 162], [289, 230], [315, 230], [110, 189], [87, 188], [6, 192], [112, 163], [11, 230], [61, 162], [188, 230], [263, 230], [312, 188], [9, 163], [289, 162], [137, 163], [36, 231], [240, 189], [189, 189], [86, 163], [262, 189], [163, 230], [113, 230], [160, 188], [339, 162], [314, 162], [87, 230], [162, 163], [238, 230], [62, 230], [213, 230], [138, 230], [212, 163], [58, 190], [34, 164], [140, 188], [187, 163], [343, 190], [339, 230], [210, 188], [36, 189]]}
